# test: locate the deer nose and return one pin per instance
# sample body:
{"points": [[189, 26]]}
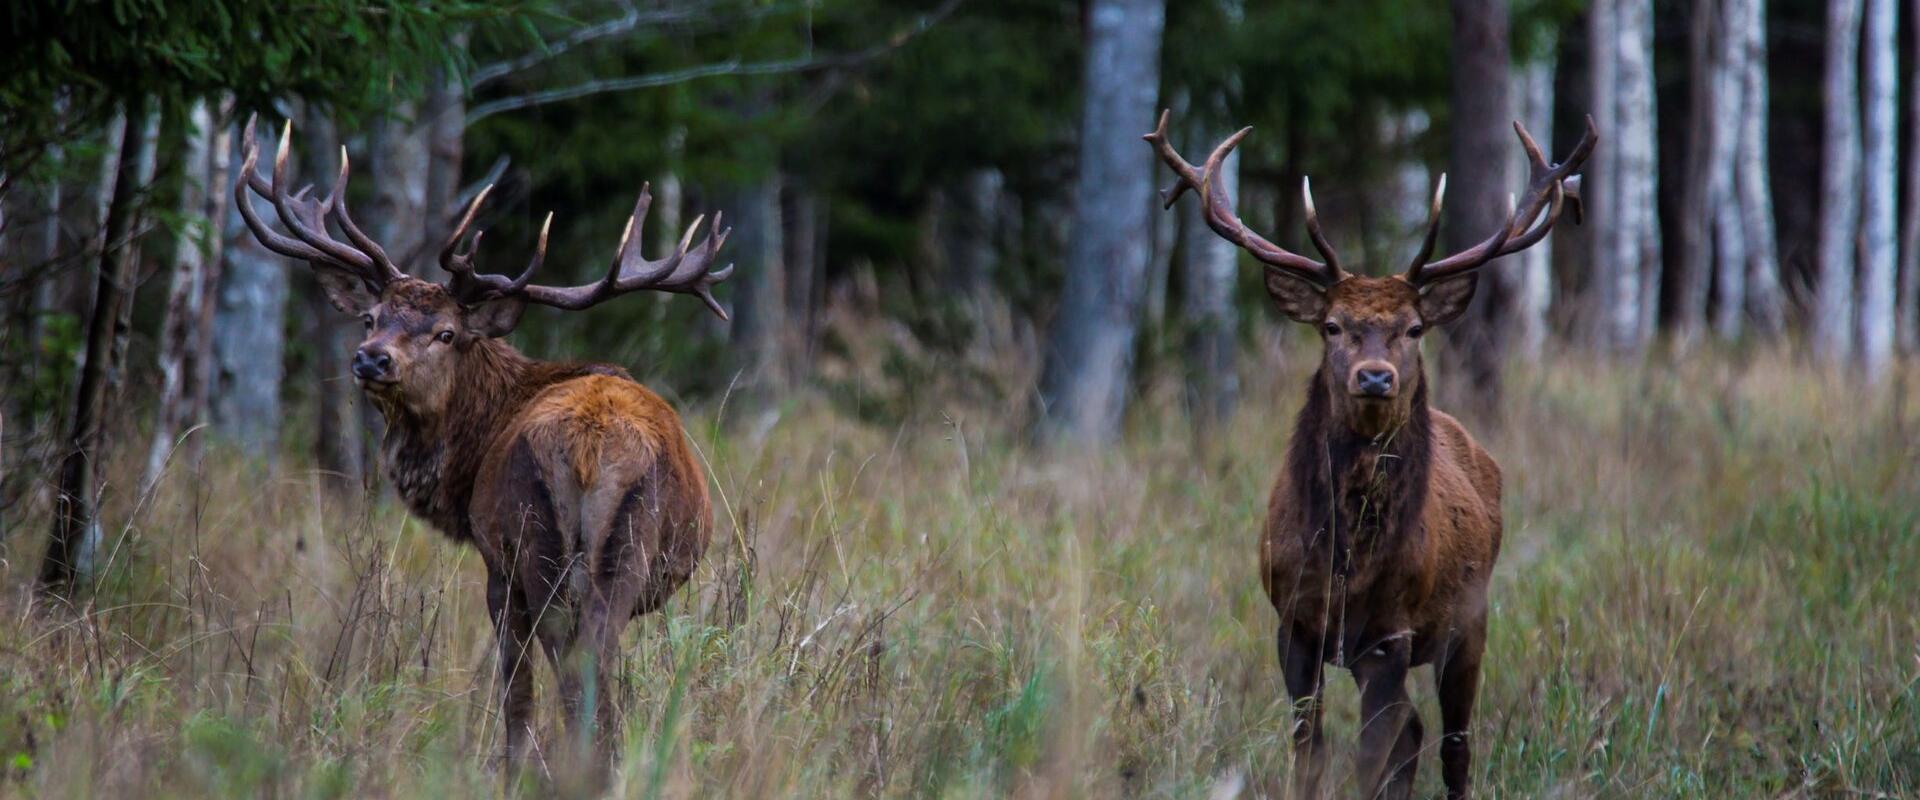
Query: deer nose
{"points": [[371, 364], [1375, 382]]}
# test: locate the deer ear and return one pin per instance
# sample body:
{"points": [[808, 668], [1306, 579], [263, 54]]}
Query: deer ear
{"points": [[1299, 300], [493, 318], [345, 290], [1445, 301]]}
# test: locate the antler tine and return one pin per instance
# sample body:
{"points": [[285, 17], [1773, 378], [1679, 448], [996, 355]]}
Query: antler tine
{"points": [[1219, 213], [268, 237], [304, 217], [1546, 190], [308, 221], [687, 270], [354, 234], [452, 258], [1433, 229], [1320, 242]]}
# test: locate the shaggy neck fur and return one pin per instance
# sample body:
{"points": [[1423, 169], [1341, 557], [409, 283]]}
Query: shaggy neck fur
{"points": [[432, 458], [1358, 493]]}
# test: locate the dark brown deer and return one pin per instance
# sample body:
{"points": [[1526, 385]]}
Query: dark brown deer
{"points": [[574, 482], [1384, 523]]}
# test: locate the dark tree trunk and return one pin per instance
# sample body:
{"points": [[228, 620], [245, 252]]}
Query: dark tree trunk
{"points": [[75, 529], [802, 213], [1089, 362], [1478, 188], [760, 334]]}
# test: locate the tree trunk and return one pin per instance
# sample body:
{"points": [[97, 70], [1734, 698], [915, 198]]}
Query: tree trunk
{"points": [[336, 421], [1839, 186], [1726, 240], [1907, 294], [972, 251], [443, 116], [1207, 273], [1637, 243], [1701, 175], [76, 532], [801, 212], [196, 265], [1880, 172], [1089, 362], [1533, 89], [759, 298], [1609, 284], [1765, 306], [249, 342], [1479, 154]]}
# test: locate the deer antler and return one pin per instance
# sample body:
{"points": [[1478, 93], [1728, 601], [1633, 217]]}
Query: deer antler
{"points": [[688, 270], [1220, 216], [307, 218], [1548, 188]]}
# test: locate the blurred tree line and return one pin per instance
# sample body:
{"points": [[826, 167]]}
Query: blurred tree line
{"points": [[923, 190]]}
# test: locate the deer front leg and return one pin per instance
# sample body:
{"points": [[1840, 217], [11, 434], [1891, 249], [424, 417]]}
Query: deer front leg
{"points": [[1458, 676], [1301, 658], [514, 635], [1385, 711]]}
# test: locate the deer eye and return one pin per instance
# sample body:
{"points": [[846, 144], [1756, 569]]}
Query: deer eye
{"points": [[1415, 331], [444, 337], [1331, 329]]}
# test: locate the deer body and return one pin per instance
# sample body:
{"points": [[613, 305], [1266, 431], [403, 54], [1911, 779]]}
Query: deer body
{"points": [[1384, 523], [575, 483]]}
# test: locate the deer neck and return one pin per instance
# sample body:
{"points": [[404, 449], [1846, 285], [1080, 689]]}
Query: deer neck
{"points": [[1359, 480], [432, 458]]}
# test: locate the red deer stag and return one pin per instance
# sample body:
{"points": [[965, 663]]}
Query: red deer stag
{"points": [[1384, 523], [574, 482]]}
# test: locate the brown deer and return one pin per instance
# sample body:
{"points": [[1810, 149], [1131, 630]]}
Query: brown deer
{"points": [[574, 482], [1384, 522]]}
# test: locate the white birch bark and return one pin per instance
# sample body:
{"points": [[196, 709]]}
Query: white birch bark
{"points": [[1636, 236], [1533, 93], [1607, 282], [1839, 186], [1766, 309], [1090, 358], [1879, 173]]}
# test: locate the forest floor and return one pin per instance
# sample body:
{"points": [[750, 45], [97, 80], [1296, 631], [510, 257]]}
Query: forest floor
{"points": [[1707, 590]]}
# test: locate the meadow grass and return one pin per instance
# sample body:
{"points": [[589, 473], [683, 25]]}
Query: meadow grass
{"points": [[1706, 590]]}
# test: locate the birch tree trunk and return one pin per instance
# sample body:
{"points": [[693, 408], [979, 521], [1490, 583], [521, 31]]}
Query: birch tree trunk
{"points": [[972, 250], [1880, 172], [1089, 361], [1727, 240], [1533, 95], [1839, 186], [1610, 284], [1765, 306], [76, 531], [443, 115], [249, 341], [1637, 241], [196, 266]]}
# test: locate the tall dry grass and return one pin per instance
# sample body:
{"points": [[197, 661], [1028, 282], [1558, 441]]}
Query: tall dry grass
{"points": [[1707, 590]]}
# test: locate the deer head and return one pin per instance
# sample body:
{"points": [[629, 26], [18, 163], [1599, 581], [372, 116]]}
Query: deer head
{"points": [[418, 333], [1371, 326]]}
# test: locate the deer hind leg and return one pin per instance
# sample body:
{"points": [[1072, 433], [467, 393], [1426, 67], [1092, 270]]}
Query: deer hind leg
{"points": [[1458, 676], [1302, 658], [1385, 713], [513, 632]]}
